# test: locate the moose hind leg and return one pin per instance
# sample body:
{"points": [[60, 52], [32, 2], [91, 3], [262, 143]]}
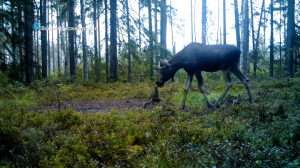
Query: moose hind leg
{"points": [[201, 88], [187, 87], [244, 80], [228, 84]]}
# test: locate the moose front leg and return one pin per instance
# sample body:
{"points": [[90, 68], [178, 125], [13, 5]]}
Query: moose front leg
{"points": [[201, 88], [228, 84], [187, 87]]}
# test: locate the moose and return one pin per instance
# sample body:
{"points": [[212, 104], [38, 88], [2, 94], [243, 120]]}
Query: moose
{"points": [[197, 57]]}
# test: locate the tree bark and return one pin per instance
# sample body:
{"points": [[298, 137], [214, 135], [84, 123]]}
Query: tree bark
{"points": [[171, 20], [246, 36], [106, 43], [271, 43], [67, 58], [252, 25], [140, 39], [48, 32], [44, 41], [150, 39], [217, 42], [71, 39], [28, 14], [95, 41], [203, 21], [99, 44], [224, 21], [58, 54], [290, 36], [53, 59], [237, 24], [21, 41], [85, 59], [156, 39], [13, 33], [280, 47], [113, 40], [163, 31], [255, 54], [192, 30], [129, 43]]}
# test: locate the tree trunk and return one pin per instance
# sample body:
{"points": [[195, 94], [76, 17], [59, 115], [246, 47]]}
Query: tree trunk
{"points": [[224, 21], [48, 32], [113, 40], [85, 59], [21, 41], [129, 44], [252, 25], [71, 39], [194, 21], [58, 21], [203, 21], [271, 43], [13, 33], [264, 45], [63, 46], [246, 36], [218, 23], [67, 59], [255, 54], [140, 39], [285, 33], [99, 44], [253, 39], [106, 43], [53, 60], [280, 48], [290, 36], [171, 20], [44, 41], [192, 30], [75, 46], [242, 33], [156, 39], [237, 24], [163, 31], [37, 44], [28, 14], [150, 39], [95, 41]]}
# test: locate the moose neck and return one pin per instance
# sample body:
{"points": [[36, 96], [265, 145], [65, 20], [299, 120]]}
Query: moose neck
{"points": [[177, 62]]}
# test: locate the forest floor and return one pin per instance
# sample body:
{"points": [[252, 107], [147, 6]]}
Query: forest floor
{"points": [[102, 105], [106, 105], [56, 123]]}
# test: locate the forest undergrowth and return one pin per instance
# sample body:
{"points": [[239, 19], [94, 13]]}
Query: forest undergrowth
{"points": [[264, 134]]}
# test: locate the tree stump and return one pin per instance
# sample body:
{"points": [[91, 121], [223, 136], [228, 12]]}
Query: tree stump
{"points": [[153, 98]]}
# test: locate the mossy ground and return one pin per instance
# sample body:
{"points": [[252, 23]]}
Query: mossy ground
{"points": [[264, 134]]}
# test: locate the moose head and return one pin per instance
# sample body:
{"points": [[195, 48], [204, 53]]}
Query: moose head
{"points": [[166, 72]]}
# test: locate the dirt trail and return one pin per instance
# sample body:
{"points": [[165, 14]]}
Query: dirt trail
{"points": [[101, 105], [104, 105]]}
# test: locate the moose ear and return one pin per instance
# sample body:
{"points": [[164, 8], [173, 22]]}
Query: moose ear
{"points": [[165, 62]]}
